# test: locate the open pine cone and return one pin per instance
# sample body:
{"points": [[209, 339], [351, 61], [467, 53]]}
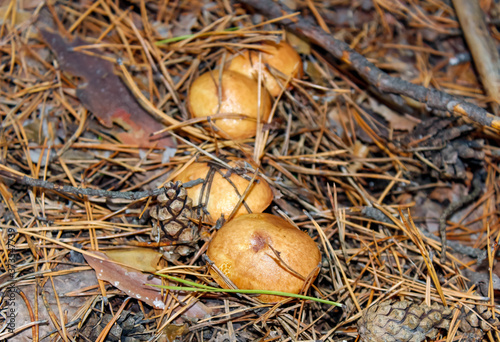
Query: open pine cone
{"points": [[172, 220], [405, 321]]}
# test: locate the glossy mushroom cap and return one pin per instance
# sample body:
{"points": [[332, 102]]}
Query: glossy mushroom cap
{"points": [[240, 96], [280, 56], [223, 196], [241, 250]]}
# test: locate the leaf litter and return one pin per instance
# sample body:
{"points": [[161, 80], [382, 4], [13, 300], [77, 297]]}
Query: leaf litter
{"points": [[104, 94]]}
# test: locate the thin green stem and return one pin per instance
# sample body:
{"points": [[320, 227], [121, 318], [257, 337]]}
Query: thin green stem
{"points": [[204, 288], [187, 282]]}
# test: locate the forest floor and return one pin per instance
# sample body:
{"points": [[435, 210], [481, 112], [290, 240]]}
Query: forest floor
{"points": [[385, 141]]}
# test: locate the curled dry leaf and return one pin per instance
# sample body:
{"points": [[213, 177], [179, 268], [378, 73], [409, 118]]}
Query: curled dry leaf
{"points": [[105, 95], [133, 283]]}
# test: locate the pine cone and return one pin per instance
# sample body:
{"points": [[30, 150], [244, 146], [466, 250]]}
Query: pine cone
{"points": [[405, 321], [474, 326], [172, 219]]}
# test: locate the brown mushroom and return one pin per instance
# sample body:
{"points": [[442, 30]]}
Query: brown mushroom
{"points": [[281, 57], [241, 249], [239, 97], [223, 196]]}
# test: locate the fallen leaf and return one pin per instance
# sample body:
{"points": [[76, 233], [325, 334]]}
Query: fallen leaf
{"points": [[28, 4], [299, 44], [360, 151], [133, 283], [21, 16], [174, 331], [395, 120], [449, 194], [144, 259], [70, 305], [429, 210], [105, 95]]}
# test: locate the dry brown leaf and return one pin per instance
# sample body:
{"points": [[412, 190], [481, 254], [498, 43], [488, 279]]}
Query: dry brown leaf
{"points": [[133, 283], [144, 259], [299, 44], [173, 332], [105, 95], [20, 18], [449, 194], [70, 305]]}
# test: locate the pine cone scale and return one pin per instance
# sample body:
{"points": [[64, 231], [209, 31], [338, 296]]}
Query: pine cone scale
{"points": [[172, 219], [404, 321]]}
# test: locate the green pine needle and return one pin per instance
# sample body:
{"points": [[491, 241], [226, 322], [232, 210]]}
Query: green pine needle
{"points": [[204, 288]]}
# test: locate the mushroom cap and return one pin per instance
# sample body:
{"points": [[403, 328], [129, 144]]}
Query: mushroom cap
{"points": [[240, 95], [240, 249], [223, 197], [280, 56]]}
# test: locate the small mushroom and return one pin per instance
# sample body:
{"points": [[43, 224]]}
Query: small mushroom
{"points": [[239, 97], [281, 57], [223, 196], [265, 252]]}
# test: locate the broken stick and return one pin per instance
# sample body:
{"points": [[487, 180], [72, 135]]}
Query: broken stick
{"points": [[433, 98], [482, 47]]}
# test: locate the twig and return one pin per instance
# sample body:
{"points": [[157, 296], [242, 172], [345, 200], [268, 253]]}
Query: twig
{"points": [[482, 47], [433, 98], [130, 195]]}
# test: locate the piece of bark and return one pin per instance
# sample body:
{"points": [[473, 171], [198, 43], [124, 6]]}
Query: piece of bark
{"points": [[482, 47]]}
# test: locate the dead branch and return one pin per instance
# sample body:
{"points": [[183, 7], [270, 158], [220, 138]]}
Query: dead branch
{"points": [[68, 189], [482, 47], [433, 98]]}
